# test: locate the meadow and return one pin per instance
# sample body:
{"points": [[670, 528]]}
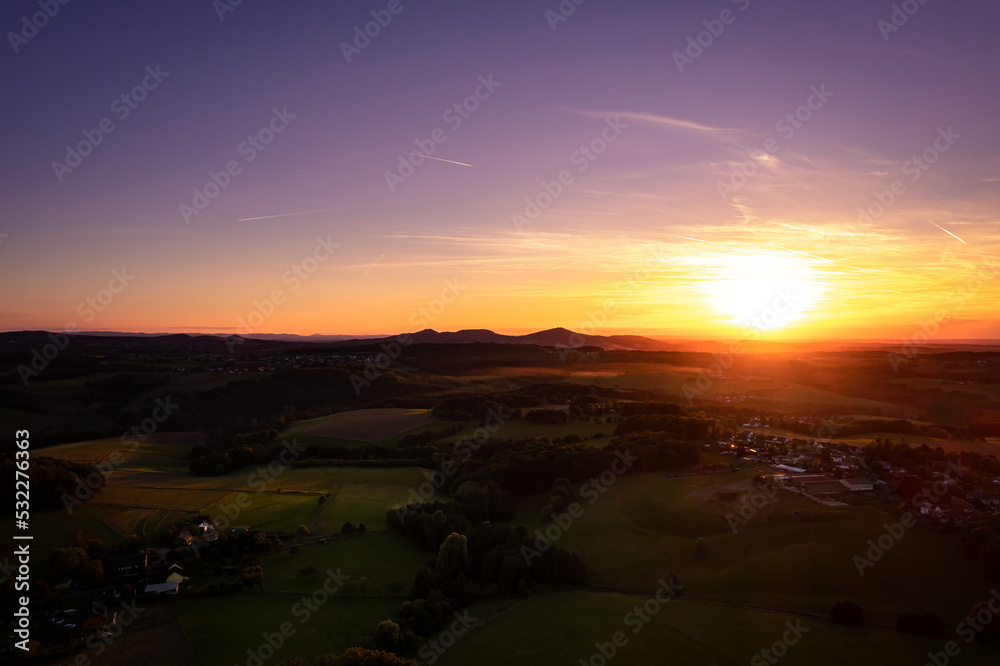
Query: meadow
{"points": [[793, 555], [358, 427], [682, 631], [220, 630]]}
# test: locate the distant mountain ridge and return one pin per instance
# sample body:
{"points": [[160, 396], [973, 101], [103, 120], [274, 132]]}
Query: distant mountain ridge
{"points": [[554, 337]]}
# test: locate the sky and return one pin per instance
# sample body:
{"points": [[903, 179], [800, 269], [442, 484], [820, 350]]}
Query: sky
{"points": [[789, 169]]}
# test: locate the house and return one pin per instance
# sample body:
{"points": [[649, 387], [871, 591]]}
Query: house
{"points": [[174, 574], [858, 484], [828, 487], [797, 470], [810, 478], [131, 564], [183, 538], [158, 589]]}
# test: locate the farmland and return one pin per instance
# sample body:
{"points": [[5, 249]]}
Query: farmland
{"points": [[217, 639], [361, 426], [791, 559], [683, 631], [793, 555]]}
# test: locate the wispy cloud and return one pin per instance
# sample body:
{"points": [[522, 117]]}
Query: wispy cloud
{"points": [[656, 119]]}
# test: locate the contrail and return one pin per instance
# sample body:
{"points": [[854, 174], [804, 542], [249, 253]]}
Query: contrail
{"points": [[403, 152], [814, 256], [307, 212], [695, 239], [373, 265], [946, 231]]}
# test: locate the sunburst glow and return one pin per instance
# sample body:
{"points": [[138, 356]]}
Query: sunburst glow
{"points": [[765, 292]]}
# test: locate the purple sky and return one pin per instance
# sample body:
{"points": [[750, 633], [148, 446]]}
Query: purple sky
{"points": [[639, 240]]}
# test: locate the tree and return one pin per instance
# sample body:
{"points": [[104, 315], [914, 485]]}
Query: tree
{"points": [[348, 528], [386, 635], [453, 556], [92, 572], [848, 614], [909, 485], [68, 561], [423, 583], [510, 573], [302, 531], [701, 548], [361, 528], [491, 565], [252, 576]]}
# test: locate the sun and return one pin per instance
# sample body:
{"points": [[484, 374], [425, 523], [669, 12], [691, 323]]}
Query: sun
{"points": [[763, 291]]}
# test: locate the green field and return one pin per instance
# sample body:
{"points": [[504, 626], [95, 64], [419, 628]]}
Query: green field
{"points": [[991, 391], [682, 631], [673, 379], [794, 555], [387, 561], [160, 452], [153, 479], [359, 427], [521, 429], [222, 629], [270, 511]]}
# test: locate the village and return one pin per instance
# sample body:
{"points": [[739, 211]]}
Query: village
{"points": [[836, 474]]}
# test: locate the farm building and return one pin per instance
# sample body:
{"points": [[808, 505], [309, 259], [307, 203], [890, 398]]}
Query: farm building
{"points": [[158, 589], [131, 564], [809, 478], [858, 484], [787, 468], [828, 487]]}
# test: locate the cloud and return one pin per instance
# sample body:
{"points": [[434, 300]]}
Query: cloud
{"points": [[654, 119]]}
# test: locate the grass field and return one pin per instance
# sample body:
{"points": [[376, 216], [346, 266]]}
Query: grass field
{"points": [[360, 426], [681, 632], [794, 555], [164, 452], [991, 391], [672, 379], [386, 559], [271, 510], [221, 629], [518, 429], [357, 494], [151, 489], [129, 521], [173, 499]]}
